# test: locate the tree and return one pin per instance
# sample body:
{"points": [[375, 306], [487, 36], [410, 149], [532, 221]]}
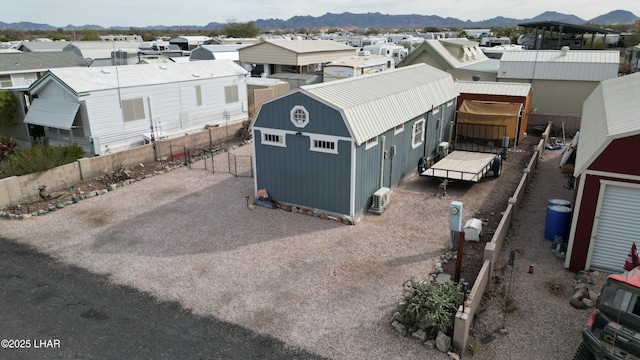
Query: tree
{"points": [[8, 108], [240, 30], [89, 35]]}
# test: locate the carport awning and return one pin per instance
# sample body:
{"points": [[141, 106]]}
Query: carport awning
{"points": [[56, 114]]}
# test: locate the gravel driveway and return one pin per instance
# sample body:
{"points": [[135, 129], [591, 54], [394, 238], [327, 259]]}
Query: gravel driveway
{"points": [[328, 288]]}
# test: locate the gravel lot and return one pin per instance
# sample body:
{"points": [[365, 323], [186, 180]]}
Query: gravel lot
{"points": [[187, 236]]}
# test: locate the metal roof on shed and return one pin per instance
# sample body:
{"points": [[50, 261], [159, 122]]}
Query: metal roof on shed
{"points": [[376, 103], [612, 111], [493, 88], [111, 77], [306, 46], [583, 65]]}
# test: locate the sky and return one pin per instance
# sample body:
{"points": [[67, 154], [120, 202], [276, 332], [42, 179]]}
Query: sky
{"points": [[141, 13]]}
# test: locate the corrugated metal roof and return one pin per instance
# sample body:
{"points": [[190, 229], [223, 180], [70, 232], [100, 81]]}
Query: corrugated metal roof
{"points": [[308, 46], [103, 49], [44, 46], [611, 112], [438, 45], [57, 114], [111, 77], [376, 103], [582, 65], [493, 88]]}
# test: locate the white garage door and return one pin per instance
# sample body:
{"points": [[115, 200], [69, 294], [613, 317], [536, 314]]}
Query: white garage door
{"points": [[617, 227]]}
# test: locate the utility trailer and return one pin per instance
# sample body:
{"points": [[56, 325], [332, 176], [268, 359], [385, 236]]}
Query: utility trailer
{"points": [[479, 149], [465, 166]]}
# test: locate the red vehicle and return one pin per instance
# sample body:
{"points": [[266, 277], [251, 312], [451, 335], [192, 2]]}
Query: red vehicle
{"points": [[613, 331]]}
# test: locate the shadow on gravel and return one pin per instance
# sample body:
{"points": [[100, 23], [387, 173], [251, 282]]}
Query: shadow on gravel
{"points": [[212, 220], [91, 318]]}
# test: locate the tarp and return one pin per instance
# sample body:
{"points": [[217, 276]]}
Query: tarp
{"points": [[488, 113], [56, 114]]}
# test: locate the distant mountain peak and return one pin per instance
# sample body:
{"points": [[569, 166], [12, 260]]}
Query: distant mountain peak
{"points": [[364, 20]]}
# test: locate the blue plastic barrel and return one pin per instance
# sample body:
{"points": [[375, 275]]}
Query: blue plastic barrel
{"points": [[557, 222], [560, 202]]}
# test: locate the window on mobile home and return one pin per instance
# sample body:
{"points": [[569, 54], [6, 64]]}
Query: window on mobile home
{"points": [[133, 109], [231, 94]]}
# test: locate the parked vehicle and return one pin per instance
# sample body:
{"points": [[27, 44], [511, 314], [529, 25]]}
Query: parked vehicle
{"points": [[613, 331]]}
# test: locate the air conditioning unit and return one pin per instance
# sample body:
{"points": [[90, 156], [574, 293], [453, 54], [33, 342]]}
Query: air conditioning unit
{"points": [[380, 200], [443, 147]]}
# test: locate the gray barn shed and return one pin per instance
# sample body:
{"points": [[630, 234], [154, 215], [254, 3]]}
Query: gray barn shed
{"points": [[331, 146]]}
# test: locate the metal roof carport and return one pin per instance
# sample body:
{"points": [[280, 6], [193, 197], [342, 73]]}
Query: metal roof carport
{"points": [[562, 29]]}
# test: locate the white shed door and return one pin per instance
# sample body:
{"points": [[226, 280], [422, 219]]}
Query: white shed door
{"points": [[618, 227]]}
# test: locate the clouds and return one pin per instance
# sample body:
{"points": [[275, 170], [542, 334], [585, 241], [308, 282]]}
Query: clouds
{"points": [[140, 13]]}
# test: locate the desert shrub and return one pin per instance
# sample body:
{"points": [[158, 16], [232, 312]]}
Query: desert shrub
{"points": [[40, 158], [117, 173], [429, 306]]}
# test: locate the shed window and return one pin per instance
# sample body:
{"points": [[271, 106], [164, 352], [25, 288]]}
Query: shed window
{"points": [[449, 103], [435, 110], [274, 139], [299, 116], [133, 109], [417, 133], [5, 81], [398, 129], [231, 94], [324, 144], [199, 95], [371, 143]]}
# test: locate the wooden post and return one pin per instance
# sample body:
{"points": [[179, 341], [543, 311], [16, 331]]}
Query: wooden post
{"points": [[456, 275]]}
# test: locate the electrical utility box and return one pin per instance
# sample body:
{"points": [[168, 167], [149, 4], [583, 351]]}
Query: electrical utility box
{"points": [[455, 216]]}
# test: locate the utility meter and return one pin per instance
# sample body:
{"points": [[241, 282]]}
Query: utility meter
{"points": [[455, 216]]}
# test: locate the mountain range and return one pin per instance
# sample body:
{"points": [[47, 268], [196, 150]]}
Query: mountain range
{"points": [[368, 20]]}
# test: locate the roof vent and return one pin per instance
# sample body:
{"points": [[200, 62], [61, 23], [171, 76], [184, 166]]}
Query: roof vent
{"points": [[163, 67], [106, 71], [196, 75], [564, 51]]}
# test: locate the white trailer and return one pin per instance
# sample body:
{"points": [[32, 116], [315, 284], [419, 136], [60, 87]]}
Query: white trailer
{"points": [[353, 66]]}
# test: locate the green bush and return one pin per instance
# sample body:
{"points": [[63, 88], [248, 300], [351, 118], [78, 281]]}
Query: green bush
{"points": [[429, 306], [40, 158]]}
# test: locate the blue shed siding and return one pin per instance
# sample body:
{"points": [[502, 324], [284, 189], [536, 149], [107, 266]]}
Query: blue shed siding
{"points": [[405, 161], [323, 119], [302, 177]]}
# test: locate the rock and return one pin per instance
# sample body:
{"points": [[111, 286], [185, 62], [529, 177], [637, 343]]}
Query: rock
{"points": [[420, 334], [396, 315], [399, 327], [68, 202], [294, 209], [431, 344], [443, 342], [75, 199], [251, 206], [578, 304], [92, 194], [453, 355], [60, 205], [581, 294], [503, 331], [593, 295], [584, 277], [443, 278], [579, 286], [588, 302], [27, 216], [112, 187]]}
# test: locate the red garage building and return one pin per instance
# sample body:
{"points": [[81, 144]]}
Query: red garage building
{"points": [[606, 215]]}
